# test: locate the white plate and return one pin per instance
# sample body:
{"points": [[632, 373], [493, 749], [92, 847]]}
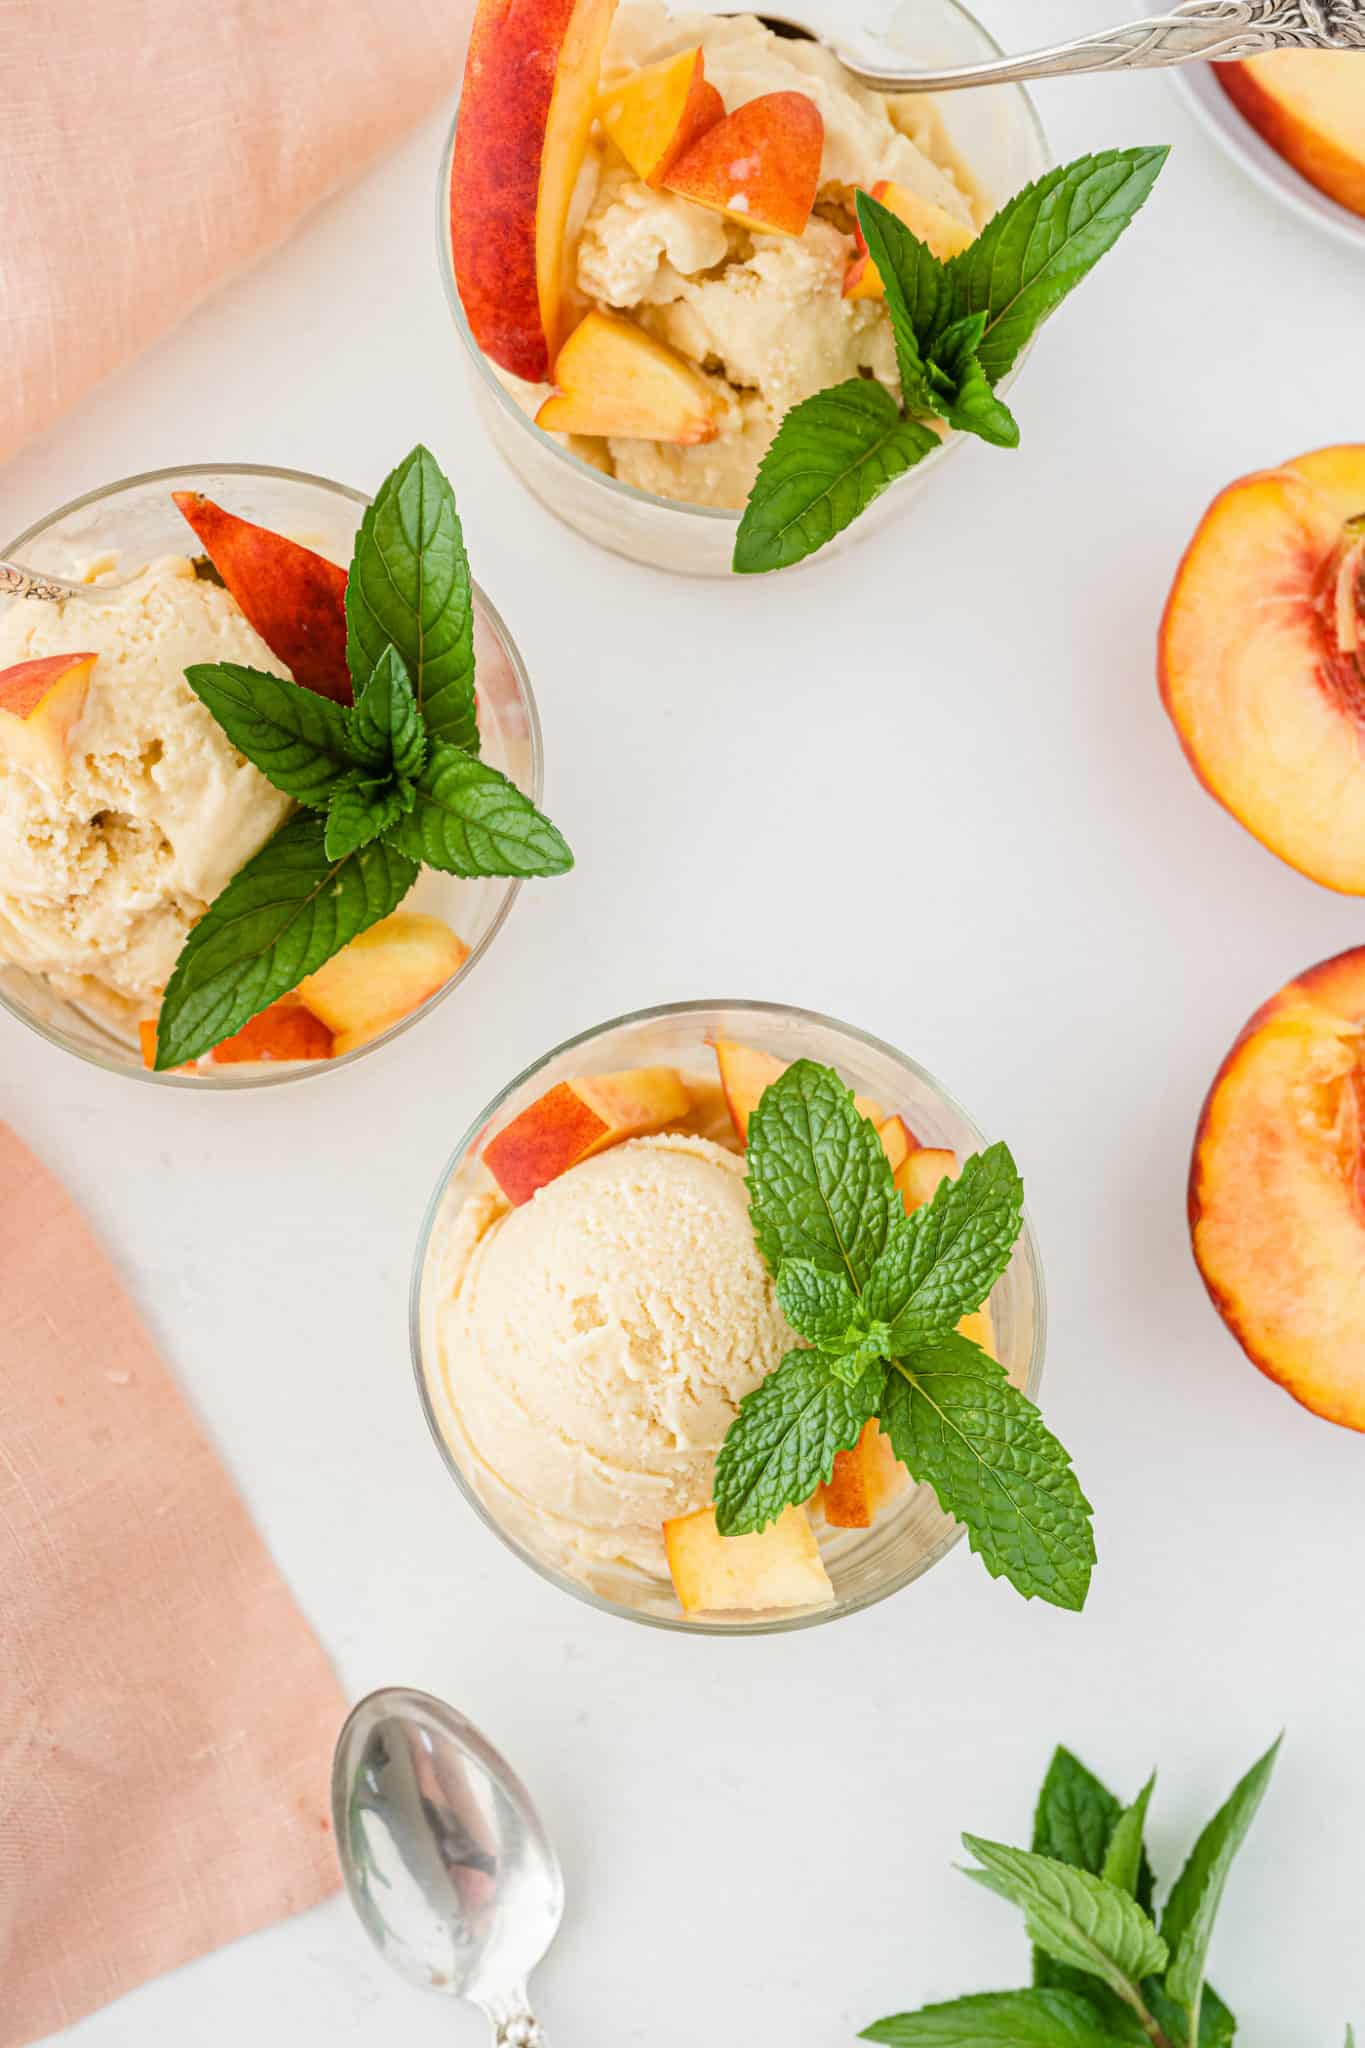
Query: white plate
{"points": [[1198, 86]]}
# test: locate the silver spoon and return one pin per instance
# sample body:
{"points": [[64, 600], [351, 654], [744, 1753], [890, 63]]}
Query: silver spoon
{"points": [[1213, 30], [444, 1856], [18, 581]]}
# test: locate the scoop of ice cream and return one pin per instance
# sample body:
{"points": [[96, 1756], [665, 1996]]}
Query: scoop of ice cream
{"points": [[101, 880], [596, 1344]]}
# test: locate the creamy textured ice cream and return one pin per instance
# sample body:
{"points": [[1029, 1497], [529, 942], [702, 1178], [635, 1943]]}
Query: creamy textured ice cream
{"points": [[596, 1342], [763, 315], [101, 879]]}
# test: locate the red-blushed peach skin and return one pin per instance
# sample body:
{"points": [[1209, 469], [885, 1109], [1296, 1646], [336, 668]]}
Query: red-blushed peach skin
{"points": [[526, 111], [1269, 711], [40, 704], [1277, 1192], [1310, 106], [759, 166], [576, 1119], [295, 599], [656, 115]]}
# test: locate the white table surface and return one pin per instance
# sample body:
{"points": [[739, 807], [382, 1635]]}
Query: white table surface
{"points": [[928, 787]]}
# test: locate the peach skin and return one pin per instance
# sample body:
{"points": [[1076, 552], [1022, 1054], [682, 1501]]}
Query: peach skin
{"points": [[1310, 106], [577, 1119], [295, 599], [40, 702], [659, 112], [759, 166]]}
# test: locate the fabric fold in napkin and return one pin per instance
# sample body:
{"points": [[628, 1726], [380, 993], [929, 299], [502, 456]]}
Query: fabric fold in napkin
{"points": [[166, 1714], [149, 150]]}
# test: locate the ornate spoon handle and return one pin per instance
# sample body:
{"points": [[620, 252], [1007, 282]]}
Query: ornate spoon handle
{"points": [[1208, 29]]}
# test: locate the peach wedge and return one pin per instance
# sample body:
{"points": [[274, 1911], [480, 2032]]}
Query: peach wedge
{"points": [[613, 378], [1310, 106], [760, 166], [40, 702], [862, 1482], [526, 111], [1277, 1189], [940, 232], [780, 1566], [579, 1118], [1262, 660], [381, 977], [744, 1074], [659, 112], [295, 599]]}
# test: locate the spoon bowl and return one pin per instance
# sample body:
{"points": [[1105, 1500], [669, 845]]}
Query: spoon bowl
{"points": [[445, 1858]]}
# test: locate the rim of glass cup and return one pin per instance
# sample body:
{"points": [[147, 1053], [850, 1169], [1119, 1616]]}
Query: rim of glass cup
{"points": [[289, 1071], [631, 493], [1027, 1249]]}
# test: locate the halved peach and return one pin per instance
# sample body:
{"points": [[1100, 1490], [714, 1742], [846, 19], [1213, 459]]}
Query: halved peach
{"points": [[659, 112], [40, 702], [1261, 662], [613, 378], [862, 1482], [381, 977], [745, 1073], [1310, 106], [1277, 1189], [779, 1566], [526, 111], [759, 166], [295, 599], [578, 1118], [942, 234]]}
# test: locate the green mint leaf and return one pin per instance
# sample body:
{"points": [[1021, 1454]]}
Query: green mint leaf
{"points": [[834, 453], [1187, 1922], [955, 347], [783, 1441], [942, 1261], [1123, 1858], [409, 588], [1217, 2027], [386, 722], [818, 1303], [1082, 1921], [360, 812], [468, 819], [279, 918], [1041, 244], [1075, 1815], [997, 2019], [918, 294], [958, 1425], [975, 409], [1350, 2037], [301, 742], [820, 1188]]}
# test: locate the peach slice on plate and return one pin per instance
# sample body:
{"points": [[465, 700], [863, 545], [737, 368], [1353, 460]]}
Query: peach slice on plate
{"points": [[578, 1118], [526, 111], [295, 599], [941, 233], [659, 112], [613, 378], [1310, 106], [779, 1566], [1277, 1189], [759, 166], [1262, 659], [40, 702], [381, 977], [745, 1073], [862, 1482]]}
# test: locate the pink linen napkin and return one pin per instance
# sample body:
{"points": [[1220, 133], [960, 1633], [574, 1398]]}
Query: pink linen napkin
{"points": [[166, 1715], [149, 149]]}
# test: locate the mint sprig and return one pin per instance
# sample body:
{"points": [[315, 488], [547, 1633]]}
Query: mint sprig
{"points": [[878, 1295], [958, 327], [396, 775], [1085, 1890]]}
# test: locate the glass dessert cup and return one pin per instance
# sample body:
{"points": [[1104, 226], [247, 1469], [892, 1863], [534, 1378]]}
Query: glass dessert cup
{"points": [[994, 131], [912, 1533], [137, 519]]}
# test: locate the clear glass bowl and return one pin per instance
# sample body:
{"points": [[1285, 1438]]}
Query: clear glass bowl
{"points": [[137, 519], [909, 1536], [994, 130]]}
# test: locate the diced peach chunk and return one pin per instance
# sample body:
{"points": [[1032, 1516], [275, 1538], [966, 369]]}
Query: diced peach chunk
{"points": [[659, 112], [898, 1141], [295, 599], [920, 1172], [862, 1482], [284, 1030], [613, 378], [940, 231], [381, 977], [745, 1073], [578, 1118], [780, 1566], [40, 702], [759, 166]]}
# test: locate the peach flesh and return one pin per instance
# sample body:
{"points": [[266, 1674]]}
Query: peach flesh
{"points": [[759, 166]]}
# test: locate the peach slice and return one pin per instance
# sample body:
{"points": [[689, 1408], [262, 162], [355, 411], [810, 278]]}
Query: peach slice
{"points": [[578, 1118], [941, 233], [381, 977], [1261, 661], [613, 378], [862, 1482], [1310, 106], [526, 111], [40, 702], [779, 1566], [746, 1072], [284, 1030], [1277, 1189], [659, 112], [898, 1141], [294, 599], [759, 166]]}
